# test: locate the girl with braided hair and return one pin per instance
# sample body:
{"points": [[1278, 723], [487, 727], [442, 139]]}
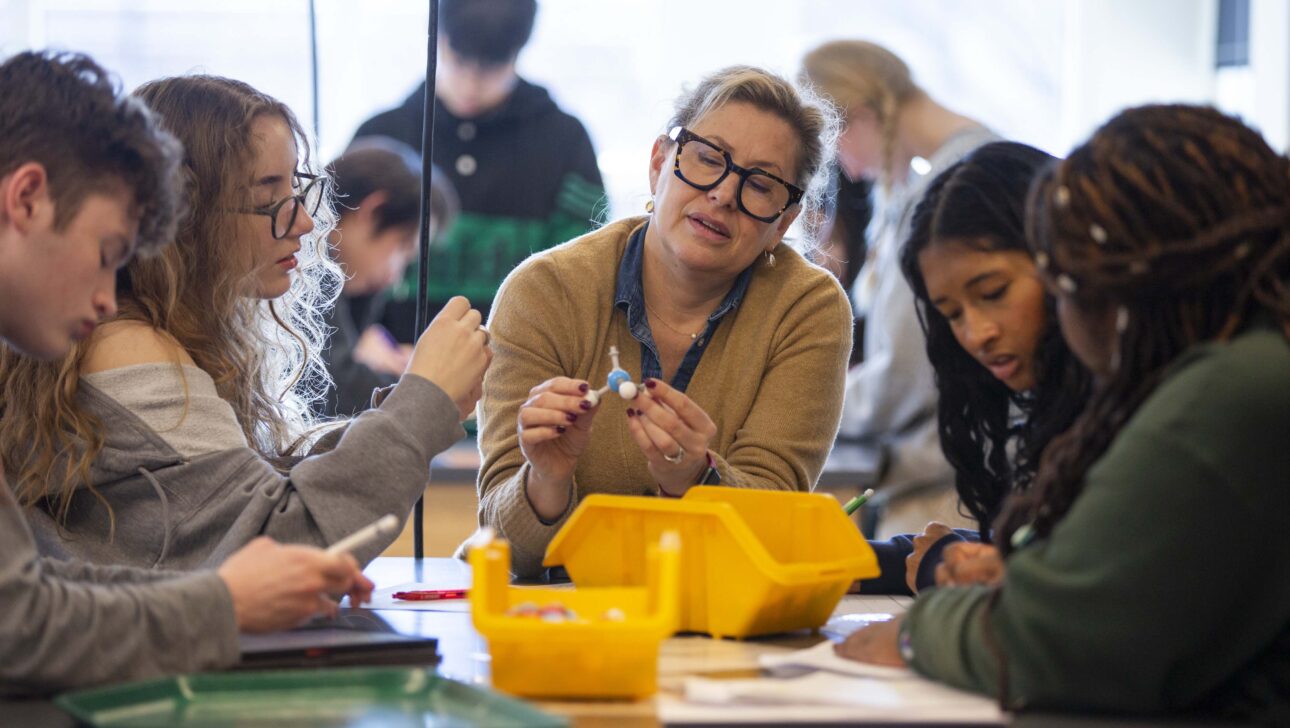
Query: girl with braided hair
{"points": [[1007, 383], [1148, 566]]}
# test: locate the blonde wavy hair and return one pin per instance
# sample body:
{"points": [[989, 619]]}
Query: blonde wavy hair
{"points": [[812, 118], [858, 74], [264, 356]]}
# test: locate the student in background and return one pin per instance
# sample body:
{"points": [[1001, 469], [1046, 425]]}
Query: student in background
{"points": [[525, 170], [891, 396], [87, 180], [1007, 384], [843, 248], [164, 439], [1148, 564], [377, 186]]}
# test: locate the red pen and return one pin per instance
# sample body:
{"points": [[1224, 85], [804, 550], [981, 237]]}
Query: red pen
{"points": [[430, 595]]}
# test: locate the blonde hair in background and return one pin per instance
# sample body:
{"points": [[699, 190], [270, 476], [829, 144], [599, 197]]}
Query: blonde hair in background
{"points": [[813, 119], [858, 74], [264, 356]]}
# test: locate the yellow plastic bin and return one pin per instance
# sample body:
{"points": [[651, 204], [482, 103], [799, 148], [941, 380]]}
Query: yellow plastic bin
{"points": [[755, 562], [587, 657]]}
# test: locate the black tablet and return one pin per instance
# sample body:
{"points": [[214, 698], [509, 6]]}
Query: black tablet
{"points": [[354, 637]]}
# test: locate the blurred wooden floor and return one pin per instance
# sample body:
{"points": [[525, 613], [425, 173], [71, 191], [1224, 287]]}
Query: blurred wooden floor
{"points": [[449, 519]]}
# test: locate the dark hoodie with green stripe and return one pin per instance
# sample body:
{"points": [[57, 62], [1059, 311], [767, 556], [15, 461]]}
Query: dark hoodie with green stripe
{"points": [[527, 179]]}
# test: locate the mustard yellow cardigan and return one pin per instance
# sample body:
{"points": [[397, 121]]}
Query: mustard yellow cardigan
{"points": [[771, 379]]}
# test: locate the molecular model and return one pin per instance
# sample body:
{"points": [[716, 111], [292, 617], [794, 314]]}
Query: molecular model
{"points": [[618, 381]]}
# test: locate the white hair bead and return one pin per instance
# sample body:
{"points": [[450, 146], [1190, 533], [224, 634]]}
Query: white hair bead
{"points": [[1062, 196]]}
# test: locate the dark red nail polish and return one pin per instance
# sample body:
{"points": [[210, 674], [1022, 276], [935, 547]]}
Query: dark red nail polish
{"points": [[560, 429], [585, 404], [651, 383], [571, 417], [631, 412], [584, 387]]}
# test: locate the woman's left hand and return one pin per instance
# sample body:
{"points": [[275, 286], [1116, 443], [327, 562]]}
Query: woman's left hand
{"points": [[877, 644], [668, 426], [934, 532]]}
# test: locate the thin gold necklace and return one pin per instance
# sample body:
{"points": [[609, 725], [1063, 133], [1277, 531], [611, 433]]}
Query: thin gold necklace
{"points": [[672, 328]]}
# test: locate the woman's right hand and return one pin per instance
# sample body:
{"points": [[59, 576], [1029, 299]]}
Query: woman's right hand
{"points": [[554, 427], [970, 563], [453, 353], [276, 586]]}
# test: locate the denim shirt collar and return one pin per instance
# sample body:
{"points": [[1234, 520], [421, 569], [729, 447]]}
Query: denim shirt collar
{"points": [[629, 293], [629, 296]]}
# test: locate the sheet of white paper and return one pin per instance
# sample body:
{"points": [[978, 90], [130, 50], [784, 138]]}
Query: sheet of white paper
{"points": [[824, 696], [384, 599], [822, 657]]}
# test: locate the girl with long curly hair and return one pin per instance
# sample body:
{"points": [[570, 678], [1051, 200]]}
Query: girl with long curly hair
{"points": [[174, 434], [1006, 382], [1148, 565]]}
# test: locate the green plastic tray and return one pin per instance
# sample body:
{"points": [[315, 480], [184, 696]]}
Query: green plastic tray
{"points": [[335, 697]]}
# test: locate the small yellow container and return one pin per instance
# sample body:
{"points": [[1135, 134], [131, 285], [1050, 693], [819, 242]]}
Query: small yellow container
{"points": [[590, 657], [755, 562]]}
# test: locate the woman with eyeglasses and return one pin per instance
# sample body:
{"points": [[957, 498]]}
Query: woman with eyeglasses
{"points": [[173, 435], [741, 344]]}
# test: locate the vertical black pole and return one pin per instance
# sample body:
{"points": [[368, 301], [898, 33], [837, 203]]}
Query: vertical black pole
{"points": [[423, 270]]}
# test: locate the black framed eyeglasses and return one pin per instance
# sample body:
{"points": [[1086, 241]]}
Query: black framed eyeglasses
{"points": [[703, 165], [282, 213]]}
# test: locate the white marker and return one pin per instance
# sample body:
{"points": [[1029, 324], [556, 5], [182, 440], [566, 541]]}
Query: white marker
{"points": [[387, 525]]}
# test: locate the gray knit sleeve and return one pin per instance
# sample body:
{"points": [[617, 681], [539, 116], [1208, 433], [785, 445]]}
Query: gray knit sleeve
{"points": [[187, 512], [76, 570], [58, 634], [380, 465]]}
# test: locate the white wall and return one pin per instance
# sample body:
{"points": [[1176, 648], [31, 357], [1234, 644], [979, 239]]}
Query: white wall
{"points": [[1270, 69], [1119, 54], [18, 28], [1045, 72]]}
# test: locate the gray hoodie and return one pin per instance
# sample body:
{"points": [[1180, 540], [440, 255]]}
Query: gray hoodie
{"points": [[67, 625], [184, 512]]}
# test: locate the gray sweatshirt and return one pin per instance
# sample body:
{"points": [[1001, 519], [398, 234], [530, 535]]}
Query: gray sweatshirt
{"points": [[180, 504], [67, 625], [891, 395]]}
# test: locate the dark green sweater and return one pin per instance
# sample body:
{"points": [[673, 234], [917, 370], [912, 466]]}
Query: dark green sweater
{"points": [[1167, 585]]}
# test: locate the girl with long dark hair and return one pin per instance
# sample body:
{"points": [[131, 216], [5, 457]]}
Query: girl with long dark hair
{"points": [[1007, 383]]}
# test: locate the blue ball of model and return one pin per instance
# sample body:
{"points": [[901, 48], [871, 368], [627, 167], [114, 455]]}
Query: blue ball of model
{"points": [[618, 381]]}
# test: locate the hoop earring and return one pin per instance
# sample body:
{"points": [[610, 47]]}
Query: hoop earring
{"points": [[649, 205]]}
